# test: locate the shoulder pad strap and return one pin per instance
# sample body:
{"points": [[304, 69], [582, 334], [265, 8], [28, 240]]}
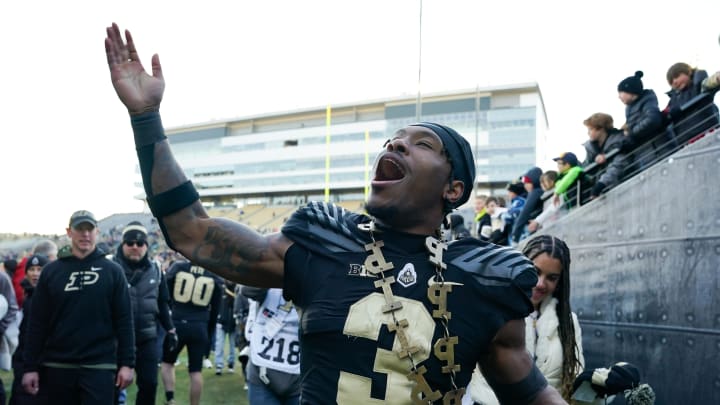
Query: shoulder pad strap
{"points": [[325, 226]]}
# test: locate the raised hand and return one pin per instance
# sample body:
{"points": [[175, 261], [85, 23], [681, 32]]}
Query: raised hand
{"points": [[139, 91]]}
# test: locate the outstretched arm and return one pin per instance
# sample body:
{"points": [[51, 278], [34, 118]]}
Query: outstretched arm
{"points": [[225, 247], [511, 372]]}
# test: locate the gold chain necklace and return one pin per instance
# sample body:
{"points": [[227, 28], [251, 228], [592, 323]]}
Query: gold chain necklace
{"points": [[444, 347]]}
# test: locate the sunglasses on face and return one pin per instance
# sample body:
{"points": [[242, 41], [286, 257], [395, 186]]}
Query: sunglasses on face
{"points": [[135, 243]]}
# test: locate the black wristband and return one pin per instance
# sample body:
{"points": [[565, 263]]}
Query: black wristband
{"points": [[521, 392], [147, 128], [173, 200]]}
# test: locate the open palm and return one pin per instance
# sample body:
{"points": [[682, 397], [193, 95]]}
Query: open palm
{"points": [[139, 91]]}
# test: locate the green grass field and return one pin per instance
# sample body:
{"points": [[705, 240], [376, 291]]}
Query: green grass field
{"points": [[223, 389]]}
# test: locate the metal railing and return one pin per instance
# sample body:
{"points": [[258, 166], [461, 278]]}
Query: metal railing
{"points": [[695, 119]]}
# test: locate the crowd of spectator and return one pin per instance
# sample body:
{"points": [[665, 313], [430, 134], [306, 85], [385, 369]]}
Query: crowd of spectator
{"points": [[612, 154]]}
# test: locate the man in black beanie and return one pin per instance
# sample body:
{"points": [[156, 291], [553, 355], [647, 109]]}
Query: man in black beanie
{"points": [[366, 336], [643, 119], [149, 300]]}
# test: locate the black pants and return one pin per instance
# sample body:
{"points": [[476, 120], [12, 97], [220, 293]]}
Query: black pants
{"points": [[147, 358], [83, 386]]}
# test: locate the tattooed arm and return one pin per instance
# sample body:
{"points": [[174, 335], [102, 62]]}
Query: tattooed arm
{"points": [[225, 247]]}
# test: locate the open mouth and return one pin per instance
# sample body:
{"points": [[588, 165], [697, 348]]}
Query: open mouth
{"points": [[389, 170]]}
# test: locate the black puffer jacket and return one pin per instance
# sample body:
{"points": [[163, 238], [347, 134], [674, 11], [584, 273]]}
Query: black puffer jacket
{"points": [[149, 296], [642, 118]]}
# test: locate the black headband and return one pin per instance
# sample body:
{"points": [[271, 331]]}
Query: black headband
{"points": [[463, 164]]}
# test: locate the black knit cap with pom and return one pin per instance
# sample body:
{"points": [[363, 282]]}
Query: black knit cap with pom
{"points": [[632, 84]]}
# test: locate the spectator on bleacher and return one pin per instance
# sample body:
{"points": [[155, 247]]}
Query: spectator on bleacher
{"points": [[569, 172], [482, 218], [604, 138], [547, 182], [533, 204], [687, 83], [495, 212], [516, 194], [643, 119]]}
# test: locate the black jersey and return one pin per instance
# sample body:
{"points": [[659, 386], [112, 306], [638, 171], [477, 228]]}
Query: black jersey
{"points": [[348, 352], [195, 293]]}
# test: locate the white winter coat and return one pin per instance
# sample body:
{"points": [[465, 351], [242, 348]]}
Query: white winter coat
{"points": [[545, 349]]}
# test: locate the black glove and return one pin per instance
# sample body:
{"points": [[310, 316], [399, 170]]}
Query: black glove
{"points": [[675, 113], [597, 189], [170, 343]]}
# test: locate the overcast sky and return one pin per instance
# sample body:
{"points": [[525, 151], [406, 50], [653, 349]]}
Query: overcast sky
{"points": [[66, 141]]}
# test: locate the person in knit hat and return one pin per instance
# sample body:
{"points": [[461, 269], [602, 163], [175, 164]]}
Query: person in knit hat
{"points": [[33, 267], [533, 204], [149, 300], [516, 194], [643, 119]]}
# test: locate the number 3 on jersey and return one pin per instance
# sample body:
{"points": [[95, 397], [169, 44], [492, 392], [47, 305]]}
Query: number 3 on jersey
{"points": [[197, 291], [365, 320]]}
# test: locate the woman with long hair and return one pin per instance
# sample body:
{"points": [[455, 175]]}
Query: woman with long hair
{"points": [[552, 332]]}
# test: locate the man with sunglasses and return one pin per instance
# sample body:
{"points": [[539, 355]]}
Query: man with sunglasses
{"points": [[149, 299]]}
